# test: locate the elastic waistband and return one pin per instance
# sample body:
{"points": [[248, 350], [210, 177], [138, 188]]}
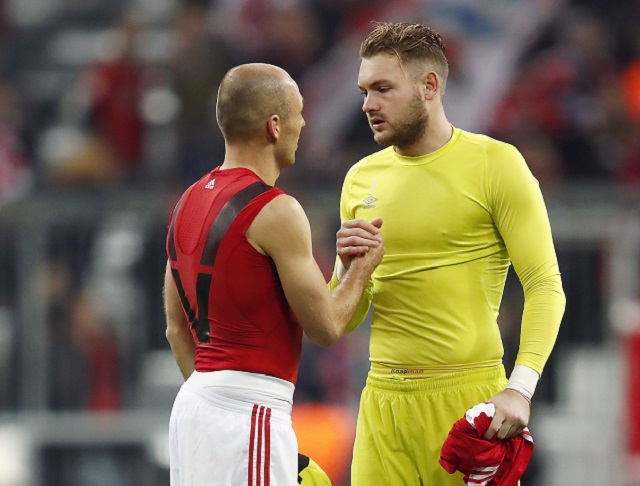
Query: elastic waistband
{"points": [[452, 380], [211, 396], [245, 386], [413, 372]]}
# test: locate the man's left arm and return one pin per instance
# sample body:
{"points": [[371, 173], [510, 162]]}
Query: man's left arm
{"points": [[521, 217]]}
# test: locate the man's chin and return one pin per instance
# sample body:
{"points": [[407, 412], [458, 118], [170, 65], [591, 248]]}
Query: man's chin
{"points": [[381, 139]]}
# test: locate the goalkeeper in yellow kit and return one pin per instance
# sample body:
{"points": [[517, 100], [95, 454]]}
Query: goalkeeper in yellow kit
{"points": [[455, 209]]}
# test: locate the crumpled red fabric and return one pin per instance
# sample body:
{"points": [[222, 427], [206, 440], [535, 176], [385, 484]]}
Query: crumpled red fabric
{"points": [[494, 462]]}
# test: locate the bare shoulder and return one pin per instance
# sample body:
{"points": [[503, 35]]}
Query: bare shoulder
{"points": [[281, 221], [280, 210]]}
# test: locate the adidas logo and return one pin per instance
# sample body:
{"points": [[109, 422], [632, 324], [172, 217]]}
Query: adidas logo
{"points": [[210, 184]]}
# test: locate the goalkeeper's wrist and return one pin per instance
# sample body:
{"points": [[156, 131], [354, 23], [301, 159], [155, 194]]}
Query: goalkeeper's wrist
{"points": [[523, 380], [340, 270]]}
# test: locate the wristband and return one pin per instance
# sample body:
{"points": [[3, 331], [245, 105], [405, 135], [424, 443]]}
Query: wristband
{"points": [[340, 270], [523, 380]]}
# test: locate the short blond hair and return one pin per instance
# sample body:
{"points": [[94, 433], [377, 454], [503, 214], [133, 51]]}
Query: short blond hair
{"points": [[410, 42]]}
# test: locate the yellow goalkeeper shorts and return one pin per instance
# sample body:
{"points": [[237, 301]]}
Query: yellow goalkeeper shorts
{"points": [[402, 425]]}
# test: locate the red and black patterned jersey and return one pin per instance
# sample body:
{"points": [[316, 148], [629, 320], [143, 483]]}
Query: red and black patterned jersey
{"points": [[231, 294]]}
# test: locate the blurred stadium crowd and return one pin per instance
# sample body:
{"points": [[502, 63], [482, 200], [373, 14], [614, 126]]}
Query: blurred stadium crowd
{"points": [[86, 89], [107, 105]]}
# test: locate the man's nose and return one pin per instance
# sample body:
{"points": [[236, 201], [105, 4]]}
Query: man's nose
{"points": [[368, 104]]}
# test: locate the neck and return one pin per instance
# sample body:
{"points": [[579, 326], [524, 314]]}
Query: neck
{"points": [[249, 155], [436, 136]]}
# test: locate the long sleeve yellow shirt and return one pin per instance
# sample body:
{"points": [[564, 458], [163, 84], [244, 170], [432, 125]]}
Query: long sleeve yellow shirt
{"points": [[454, 220]]}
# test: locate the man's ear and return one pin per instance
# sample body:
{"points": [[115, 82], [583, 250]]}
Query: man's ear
{"points": [[430, 84], [273, 127]]}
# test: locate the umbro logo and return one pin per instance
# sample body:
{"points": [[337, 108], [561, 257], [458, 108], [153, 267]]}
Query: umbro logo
{"points": [[368, 202], [210, 184]]}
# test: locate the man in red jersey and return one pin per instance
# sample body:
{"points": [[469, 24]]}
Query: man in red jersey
{"points": [[241, 286]]}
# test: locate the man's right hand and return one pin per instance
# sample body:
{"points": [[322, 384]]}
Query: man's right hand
{"points": [[371, 259], [356, 237]]}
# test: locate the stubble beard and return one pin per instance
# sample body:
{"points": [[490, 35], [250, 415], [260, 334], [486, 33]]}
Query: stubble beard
{"points": [[410, 129]]}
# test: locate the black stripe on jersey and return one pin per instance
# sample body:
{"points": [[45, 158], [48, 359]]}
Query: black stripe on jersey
{"points": [[219, 227], [225, 218], [172, 244], [191, 315], [203, 285]]}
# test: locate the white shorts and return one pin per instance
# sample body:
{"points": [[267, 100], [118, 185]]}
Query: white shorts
{"points": [[218, 435]]}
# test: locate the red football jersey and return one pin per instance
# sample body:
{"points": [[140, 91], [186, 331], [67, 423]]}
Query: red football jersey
{"points": [[231, 294]]}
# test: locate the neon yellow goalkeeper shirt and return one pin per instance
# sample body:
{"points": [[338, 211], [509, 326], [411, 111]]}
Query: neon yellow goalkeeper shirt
{"points": [[453, 222]]}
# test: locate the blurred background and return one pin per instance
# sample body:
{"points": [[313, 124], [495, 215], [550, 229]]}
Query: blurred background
{"points": [[107, 115]]}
